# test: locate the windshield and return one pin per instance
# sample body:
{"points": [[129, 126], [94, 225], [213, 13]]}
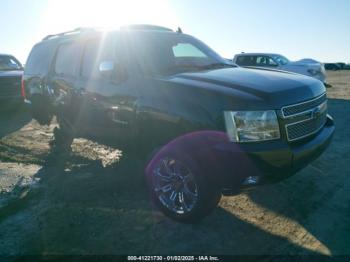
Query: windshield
{"points": [[163, 53], [9, 63], [280, 59]]}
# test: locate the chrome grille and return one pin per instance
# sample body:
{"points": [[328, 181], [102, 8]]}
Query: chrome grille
{"points": [[291, 110], [10, 86], [307, 118], [305, 128]]}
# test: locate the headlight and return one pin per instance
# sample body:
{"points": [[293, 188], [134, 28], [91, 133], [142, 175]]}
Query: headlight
{"points": [[251, 126], [313, 72]]}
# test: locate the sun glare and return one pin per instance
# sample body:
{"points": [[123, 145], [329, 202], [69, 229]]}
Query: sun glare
{"points": [[66, 15]]}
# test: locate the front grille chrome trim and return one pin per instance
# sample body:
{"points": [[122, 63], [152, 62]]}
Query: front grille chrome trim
{"points": [[304, 136], [296, 130], [298, 104]]}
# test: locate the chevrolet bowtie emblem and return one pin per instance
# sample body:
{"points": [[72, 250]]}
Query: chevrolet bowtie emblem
{"points": [[316, 112]]}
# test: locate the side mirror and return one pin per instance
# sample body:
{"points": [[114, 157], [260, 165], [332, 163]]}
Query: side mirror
{"points": [[115, 72], [106, 67]]}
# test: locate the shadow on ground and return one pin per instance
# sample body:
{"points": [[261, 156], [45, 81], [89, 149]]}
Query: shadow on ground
{"points": [[318, 198], [11, 121], [88, 209]]}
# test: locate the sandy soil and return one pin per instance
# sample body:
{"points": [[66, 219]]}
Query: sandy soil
{"points": [[96, 201]]}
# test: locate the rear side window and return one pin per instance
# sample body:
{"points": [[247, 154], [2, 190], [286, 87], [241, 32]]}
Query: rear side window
{"points": [[246, 60], [39, 59], [96, 51], [67, 59]]}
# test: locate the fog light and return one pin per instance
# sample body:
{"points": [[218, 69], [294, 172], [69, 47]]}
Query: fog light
{"points": [[250, 180]]}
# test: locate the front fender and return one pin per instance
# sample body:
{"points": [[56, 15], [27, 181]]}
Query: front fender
{"points": [[201, 146]]}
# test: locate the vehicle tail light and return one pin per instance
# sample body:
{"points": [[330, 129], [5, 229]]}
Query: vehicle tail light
{"points": [[23, 90]]}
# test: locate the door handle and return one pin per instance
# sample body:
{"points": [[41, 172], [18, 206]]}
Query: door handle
{"points": [[114, 116]]}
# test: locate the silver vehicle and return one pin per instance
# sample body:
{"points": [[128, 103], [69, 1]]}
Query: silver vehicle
{"points": [[307, 66]]}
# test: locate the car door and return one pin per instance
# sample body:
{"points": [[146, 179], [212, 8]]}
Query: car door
{"points": [[109, 108], [265, 61], [62, 82]]}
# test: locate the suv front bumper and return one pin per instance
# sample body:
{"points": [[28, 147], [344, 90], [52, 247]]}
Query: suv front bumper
{"points": [[269, 161]]}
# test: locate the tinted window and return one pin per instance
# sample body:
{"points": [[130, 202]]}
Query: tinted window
{"points": [[168, 53], [187, 50], [281, 59], [95, 52], [261, 61], [9, 63], [39, 59], [265, 61], [246, 61], [67, 59], [271, 62]]}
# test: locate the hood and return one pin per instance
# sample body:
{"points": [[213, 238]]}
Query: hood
{"points": [[13, 73], [264, 87], [306, 62]]}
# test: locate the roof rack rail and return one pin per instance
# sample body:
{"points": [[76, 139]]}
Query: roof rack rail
{"points": [[145, 27], [75, 31]]}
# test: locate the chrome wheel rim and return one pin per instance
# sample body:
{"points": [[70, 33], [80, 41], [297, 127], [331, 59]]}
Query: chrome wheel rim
{"points": [[175, 186]]}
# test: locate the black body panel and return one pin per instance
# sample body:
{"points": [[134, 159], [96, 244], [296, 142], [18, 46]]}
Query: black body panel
{"points": [[184, 107]]}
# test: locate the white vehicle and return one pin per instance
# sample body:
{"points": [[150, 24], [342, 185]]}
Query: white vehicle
{"points": [[305, 66]]}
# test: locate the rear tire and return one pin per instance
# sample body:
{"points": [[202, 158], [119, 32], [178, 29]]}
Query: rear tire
{"points": [[60, 148], [41, 109], [181, 190], [63, 137]]}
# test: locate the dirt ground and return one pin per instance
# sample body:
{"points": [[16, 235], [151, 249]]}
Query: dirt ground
{"points": [[96, 201]]}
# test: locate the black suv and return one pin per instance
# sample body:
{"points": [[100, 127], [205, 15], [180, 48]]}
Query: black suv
{"points": [[11, 72], [213, 127]]}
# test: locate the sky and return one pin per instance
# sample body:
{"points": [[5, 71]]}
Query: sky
{"points": [[317, 29]]}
